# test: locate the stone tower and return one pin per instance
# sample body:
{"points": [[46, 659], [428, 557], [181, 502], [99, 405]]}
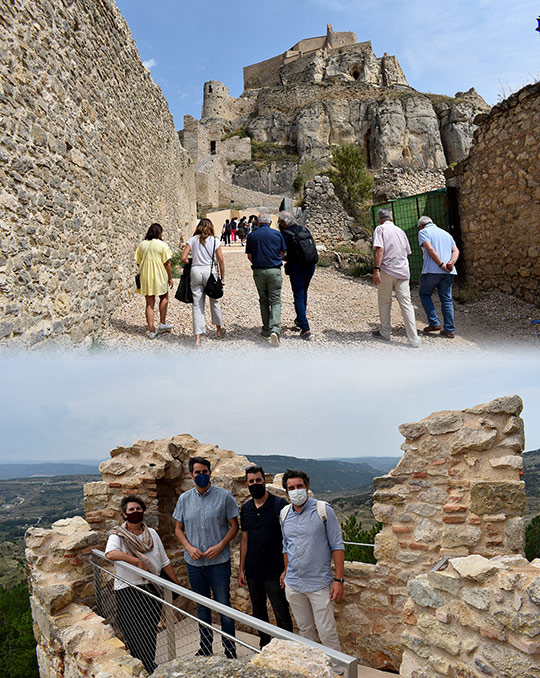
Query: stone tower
{"points": [[216, 101]]}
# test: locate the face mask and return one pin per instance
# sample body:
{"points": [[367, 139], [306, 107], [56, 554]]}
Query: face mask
{"points": [[257, 490], [298, 497], [202, 479], [135, 517]]}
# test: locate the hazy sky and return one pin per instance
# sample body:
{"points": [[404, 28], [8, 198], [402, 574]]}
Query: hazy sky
{"points": [[68, 407], [442, 46]]}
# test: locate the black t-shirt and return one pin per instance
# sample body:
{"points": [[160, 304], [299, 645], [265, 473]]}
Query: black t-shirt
{"points": [[264, 558]]}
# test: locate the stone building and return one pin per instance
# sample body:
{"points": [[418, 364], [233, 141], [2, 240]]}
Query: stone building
{"points": [[456, 493], [90, 158], [498, 188]]}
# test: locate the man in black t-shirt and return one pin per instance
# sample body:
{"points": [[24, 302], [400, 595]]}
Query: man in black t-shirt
{"points": [[261, 552]]}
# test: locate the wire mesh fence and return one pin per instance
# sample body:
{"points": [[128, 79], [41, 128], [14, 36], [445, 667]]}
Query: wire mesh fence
{"points": [[154, 621], [407, 211]]}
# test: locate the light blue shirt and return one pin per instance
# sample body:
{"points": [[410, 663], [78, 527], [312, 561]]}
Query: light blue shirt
{"points": [[308, 543], [205, 517], [442, 242]]}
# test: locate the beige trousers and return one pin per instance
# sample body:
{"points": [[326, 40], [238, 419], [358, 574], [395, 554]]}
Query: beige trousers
{"points": [[313, 611], [388, 285]]}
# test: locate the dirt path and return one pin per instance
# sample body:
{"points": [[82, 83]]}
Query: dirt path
{"points": [[342, 312]]}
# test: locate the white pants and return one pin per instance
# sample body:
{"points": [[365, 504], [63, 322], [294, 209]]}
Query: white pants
{"points": [[403, 295], [199, 278], [315, 611]]}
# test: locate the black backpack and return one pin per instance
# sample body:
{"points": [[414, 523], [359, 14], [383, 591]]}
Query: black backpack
{"points": [[305, 250]]}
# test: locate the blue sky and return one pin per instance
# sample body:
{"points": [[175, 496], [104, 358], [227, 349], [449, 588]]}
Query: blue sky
{"points": [[443, 46], [62, 406]]}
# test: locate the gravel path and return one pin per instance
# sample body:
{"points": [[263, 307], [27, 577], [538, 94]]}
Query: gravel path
{"points": [[342, 312]]}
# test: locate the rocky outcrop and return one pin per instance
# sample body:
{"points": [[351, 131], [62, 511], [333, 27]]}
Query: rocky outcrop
{"points": [[90, 158]]}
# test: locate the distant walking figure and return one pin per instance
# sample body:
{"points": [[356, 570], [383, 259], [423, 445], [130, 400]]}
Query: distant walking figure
{"points": [[204, 247], [227, 232], [153, 257]]}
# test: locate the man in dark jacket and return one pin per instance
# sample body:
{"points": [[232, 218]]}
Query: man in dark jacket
{"points": [[301, 259]]}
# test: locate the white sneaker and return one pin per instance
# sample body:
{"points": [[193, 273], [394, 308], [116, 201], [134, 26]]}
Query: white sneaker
{"points": [[165, 327], [274, 339], [152, 335]]}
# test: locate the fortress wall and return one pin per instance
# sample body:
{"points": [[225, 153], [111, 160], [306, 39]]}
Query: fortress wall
{"points": [[499, 198], [478, 618], [457, 491], [90, 157]]}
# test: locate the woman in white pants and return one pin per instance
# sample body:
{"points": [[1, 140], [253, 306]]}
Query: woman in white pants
{"points": [[204, 246]]}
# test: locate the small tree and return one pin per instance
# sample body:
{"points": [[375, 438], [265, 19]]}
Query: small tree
{"points": [[351, 530], [532, 539], [352, 181]]}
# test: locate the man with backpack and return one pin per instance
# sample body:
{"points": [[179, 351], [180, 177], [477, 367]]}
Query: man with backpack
{"points": [[261, 552], [311, 541], [301, 258]]}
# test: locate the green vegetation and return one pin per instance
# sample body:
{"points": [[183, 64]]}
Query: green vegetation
{"points": [[325, 261], [17, 643], [532, 539], [352, 181], [266, 152], [306, 171], [176, 265], [363, 267], [351, 530], [466, 293], [241, 132]]}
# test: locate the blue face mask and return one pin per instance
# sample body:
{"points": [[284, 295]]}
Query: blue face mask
{"points": [[202, 479]]}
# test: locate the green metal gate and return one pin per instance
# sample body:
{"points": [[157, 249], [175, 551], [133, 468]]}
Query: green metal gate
{"points": [[407, 211]]}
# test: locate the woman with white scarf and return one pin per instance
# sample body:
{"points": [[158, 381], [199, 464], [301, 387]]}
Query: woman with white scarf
{"points": [[138, 614]]}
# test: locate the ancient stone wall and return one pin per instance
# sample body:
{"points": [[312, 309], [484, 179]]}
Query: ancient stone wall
{"points": [[325, 217], [90, 158], [478, 618], [457, 491], [398, 182], [499, 198]]}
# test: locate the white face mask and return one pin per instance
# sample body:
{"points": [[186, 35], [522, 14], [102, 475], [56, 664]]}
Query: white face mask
{"points": [[298, 497]]}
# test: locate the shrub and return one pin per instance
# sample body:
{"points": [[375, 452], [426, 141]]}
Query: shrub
{"points": [[364, 267], [306, 172], [532, 539], [241, 132], [351, 530], [176, 265], [352, 182], [17, 643], [325, 261]]}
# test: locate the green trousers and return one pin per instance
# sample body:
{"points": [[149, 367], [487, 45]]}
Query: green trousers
{"points": [[268, 282]]}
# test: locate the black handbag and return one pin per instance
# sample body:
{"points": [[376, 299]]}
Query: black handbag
{"points": [[214, 286], [183, 293]]}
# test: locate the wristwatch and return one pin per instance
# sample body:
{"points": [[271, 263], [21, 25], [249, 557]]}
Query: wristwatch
{"points": [[339, 581], [376, 268]]}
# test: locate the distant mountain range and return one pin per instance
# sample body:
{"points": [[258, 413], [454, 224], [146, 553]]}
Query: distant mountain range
{"points": [[47, 469]]}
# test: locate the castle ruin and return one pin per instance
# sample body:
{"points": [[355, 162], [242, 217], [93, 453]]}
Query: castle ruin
{"points": [[457, 493]]}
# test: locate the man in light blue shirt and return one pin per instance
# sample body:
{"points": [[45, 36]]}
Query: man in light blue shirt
{"points": [[440, 254], [206, 523], [311, 541]]}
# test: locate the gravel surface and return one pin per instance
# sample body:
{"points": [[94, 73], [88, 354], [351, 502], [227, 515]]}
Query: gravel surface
{"points": [[342, 312]]}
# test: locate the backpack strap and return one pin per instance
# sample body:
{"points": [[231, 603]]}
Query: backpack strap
{"points": [[321, 510], [284, 513]]}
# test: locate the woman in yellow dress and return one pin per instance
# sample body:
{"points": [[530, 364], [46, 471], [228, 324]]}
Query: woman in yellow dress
{"points": [[153, 257]]}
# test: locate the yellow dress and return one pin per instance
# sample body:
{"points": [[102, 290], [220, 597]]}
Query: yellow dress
{"points": [[153, 254]]}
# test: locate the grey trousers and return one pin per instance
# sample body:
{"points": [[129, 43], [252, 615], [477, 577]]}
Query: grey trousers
{"points": [[268, 282]]}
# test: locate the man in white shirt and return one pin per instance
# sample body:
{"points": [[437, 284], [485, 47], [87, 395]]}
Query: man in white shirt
{"points": [[391, 273]]}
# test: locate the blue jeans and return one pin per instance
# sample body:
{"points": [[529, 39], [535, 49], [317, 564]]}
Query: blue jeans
{"points": [[442, 282], [300, 277], [217, 578]]}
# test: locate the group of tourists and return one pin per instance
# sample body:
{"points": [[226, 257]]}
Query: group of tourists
{"points": [[391, 274], [292, 247], [286, 556], [267, 250]]}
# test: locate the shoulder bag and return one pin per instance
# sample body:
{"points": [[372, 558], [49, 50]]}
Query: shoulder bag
{"points": [[214, 286], [183, 293], [138, 276]]}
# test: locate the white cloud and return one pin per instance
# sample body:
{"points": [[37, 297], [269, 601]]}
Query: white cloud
{"points": [[150, 63]]}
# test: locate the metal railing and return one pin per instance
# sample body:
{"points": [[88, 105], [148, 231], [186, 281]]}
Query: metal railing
{"points": [[156, 629]]}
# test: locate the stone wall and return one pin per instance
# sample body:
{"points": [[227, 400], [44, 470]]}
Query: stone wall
{"points": [[499, 198], [399, 182], [325, 217], [90, 158], [480, 617], [457, 491]]}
